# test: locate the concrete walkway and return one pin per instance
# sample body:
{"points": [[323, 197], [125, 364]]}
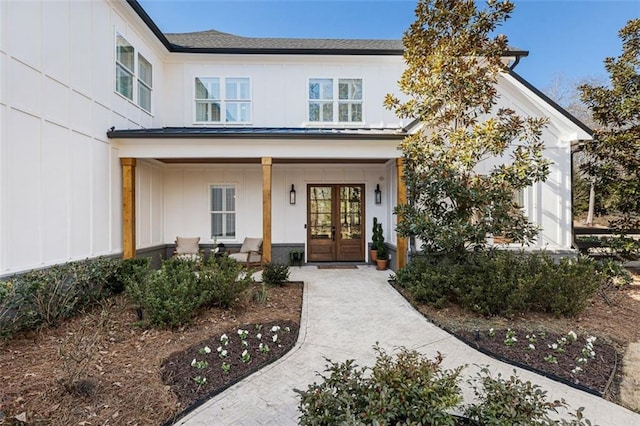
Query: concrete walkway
{"points": [[345, 312]]}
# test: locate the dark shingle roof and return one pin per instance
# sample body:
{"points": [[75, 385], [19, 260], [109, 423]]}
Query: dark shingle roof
{"points": [[213, 39]]}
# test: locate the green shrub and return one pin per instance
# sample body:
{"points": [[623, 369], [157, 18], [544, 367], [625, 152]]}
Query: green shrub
{"points": [[130, 270], [275, 274], [569, 287], [614, 272], [49, 294], [412, 389], [224, 281], [409, 388], [430, 281], [92, 278], [493, 283], [503, 282], [16, 312], [513, 402], [169, 296]]}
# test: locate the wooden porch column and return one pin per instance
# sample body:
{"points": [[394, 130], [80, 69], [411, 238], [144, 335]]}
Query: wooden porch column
{"points": [[266, 209], [128, 207], [402, 199]]}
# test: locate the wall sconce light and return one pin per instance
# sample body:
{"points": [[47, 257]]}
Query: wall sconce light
{"points": [[378, 194], [292, 195]]}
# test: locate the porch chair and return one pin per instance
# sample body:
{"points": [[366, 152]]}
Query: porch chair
{"points": [[188, 248], [250, 253]]}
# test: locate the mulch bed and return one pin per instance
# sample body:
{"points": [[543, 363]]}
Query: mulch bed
{"points": [[179, 371], [594, 377]]}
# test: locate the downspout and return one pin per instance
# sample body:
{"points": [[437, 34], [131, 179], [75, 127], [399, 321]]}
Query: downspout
{"points": [[515, 63]]}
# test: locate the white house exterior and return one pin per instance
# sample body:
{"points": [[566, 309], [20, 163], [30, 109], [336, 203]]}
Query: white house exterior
{"points": [[116, 138]]}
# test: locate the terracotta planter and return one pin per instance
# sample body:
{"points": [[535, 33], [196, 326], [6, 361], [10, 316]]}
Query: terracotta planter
{"points": [[373, 255], [382, 264]]}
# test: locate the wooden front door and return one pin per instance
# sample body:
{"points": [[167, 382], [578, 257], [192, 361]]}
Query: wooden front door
{"points": [[335, 229]]}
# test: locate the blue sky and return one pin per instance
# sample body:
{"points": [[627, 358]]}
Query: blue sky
{"points": [[568, 38]]}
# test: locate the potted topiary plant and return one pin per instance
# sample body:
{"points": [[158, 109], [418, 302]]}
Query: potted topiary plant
{"points": [[382, 259], [377, 239]]}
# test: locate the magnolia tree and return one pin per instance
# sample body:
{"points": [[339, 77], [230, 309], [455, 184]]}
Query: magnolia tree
{"points": [[453, 64], [615, 153]]}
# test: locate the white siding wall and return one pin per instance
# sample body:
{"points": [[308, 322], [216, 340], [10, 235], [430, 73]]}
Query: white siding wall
{"points": [[59, 174], [186, 198], [279, 85]]}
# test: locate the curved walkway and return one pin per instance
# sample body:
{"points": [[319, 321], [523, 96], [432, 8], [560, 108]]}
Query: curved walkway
{"points": [[345, 312]]}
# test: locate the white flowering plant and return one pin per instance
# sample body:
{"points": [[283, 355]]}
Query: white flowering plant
{"points": [[228, 353]]}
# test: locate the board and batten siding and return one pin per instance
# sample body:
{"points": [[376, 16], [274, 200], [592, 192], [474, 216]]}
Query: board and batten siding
{"points": [[60, 175], [279, 85], [186, 198]]}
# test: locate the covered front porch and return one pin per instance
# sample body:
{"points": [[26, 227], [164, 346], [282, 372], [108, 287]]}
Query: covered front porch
{"points": [[168, 191]]}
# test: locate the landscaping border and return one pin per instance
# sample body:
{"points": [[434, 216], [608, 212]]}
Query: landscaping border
{"points": [[516, 363], [211, 394]]}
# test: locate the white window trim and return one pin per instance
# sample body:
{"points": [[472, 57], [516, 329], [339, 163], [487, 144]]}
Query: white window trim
{"points": [[335, 101], [134, 74], [223, 185], [144, 83], [223, 101]]}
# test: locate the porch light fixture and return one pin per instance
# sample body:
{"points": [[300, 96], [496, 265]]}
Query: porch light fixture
{"points": [[378, 194], [292, 195]]}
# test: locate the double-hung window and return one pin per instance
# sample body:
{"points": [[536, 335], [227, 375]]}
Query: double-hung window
{"points": [[129, 83], [214, 95], [321, 99], [350, 99], [223, 211], [332, 100], [145, 83], [125, 66], [208, 99]]}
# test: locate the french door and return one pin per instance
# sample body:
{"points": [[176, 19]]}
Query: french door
{"points": [[335, 229]]}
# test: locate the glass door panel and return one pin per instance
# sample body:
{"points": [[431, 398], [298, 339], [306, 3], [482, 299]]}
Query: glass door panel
{"points": [[334, 222]]}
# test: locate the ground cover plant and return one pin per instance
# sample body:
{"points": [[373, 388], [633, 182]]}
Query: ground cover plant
{"points": [[223, 359]]}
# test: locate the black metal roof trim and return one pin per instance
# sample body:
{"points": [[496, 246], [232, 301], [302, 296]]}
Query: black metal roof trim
{"points": [[255, 133], [551, 102], [149, 22], [279, 51]]}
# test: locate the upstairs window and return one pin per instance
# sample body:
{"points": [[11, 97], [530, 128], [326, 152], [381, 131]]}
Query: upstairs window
{"points": [[145, 83], [321, 99], [125, 67], [223, 211], [208, 99], [350, 99], [335, 98], [214, 95], [129, 83]]}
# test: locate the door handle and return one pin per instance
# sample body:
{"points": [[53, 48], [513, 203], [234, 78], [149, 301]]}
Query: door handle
{"points": [[333, 233]]}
